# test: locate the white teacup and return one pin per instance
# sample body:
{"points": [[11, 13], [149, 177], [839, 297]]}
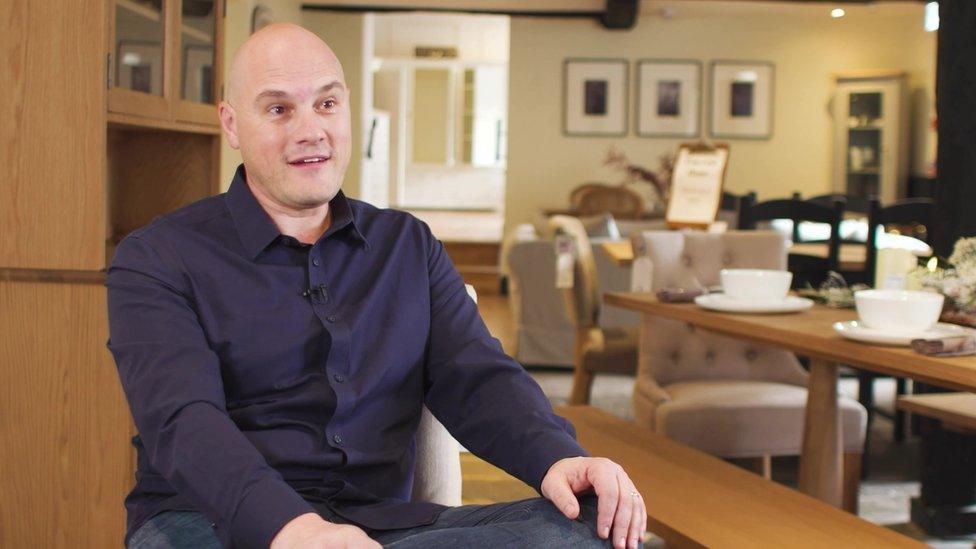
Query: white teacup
{"points": [[756, 284], [898, 310]]}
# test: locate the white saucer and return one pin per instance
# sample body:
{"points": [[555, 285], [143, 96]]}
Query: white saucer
{"points": [[726, 304], [855, 330]]}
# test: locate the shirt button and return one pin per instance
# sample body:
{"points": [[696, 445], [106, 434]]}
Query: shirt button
{"points": [[339, 378], [331, 318], [315, 262], [337, 439]]}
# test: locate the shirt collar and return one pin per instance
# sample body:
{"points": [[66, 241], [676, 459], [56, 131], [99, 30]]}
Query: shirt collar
{"points": [[255, 227]]}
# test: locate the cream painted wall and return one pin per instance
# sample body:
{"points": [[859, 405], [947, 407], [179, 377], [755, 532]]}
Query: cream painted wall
{"points": [[237, 28], [806, 46], [349, 35]]}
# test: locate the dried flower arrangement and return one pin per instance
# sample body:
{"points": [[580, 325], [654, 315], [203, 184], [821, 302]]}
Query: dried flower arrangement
{"points": [[660, 180], [957, 281]]}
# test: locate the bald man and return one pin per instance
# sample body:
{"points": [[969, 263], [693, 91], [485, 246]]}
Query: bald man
{"points": [[276, 344]]}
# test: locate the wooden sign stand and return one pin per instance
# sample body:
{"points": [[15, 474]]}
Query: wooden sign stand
{"points": [[696, 185]]}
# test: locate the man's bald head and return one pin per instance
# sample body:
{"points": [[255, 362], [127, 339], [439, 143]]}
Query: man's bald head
{"points": [[287, 110], [271, 43]]}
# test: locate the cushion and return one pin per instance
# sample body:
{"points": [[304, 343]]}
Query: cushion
{"points": [[600, 226], [747, 418]]}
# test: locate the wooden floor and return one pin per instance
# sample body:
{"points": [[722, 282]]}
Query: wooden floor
{"points": [[498, 317]]}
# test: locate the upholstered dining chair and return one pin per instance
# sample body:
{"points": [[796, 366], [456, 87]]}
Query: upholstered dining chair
{"points": [[595, 349], [726, 396]]}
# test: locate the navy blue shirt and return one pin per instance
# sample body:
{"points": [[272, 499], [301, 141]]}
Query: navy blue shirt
{"points": [[270, 378]]}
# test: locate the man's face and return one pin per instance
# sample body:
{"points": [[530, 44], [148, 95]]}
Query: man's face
{"points": [[291, 121]]}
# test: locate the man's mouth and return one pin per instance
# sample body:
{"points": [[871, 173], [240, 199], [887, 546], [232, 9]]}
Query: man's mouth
{"points": [[309, 160]]}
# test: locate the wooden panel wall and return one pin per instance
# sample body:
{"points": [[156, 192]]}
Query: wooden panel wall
{"points": [[65, 459], [52, 135]]}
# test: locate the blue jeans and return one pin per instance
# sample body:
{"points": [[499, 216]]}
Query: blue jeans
{"points": [[528, 523]]}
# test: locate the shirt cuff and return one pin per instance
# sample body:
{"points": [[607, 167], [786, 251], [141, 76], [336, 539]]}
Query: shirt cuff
{"points": [[265, 510], [551, 449]]}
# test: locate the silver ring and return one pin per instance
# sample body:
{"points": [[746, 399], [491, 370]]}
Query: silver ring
{"points": [[635, 495]]}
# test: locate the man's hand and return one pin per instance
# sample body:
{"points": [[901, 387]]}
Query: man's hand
{"points": [[619, 504], [313, 532]]}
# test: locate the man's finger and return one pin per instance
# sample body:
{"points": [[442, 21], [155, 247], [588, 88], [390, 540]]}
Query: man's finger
{"points": [[562, 496], [604, 482], [643, 528], [625, 510], [636, 520]]}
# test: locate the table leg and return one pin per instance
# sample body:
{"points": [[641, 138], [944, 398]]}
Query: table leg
{"points": [[821, 464]]}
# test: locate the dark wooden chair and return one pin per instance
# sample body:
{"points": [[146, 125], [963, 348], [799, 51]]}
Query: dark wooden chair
{"points": [[915, 213], [856, 204], [728, 210], [852, 204], [806, 269]]}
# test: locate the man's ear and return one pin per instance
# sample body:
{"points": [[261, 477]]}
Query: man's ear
{"points": [[228, 122]]}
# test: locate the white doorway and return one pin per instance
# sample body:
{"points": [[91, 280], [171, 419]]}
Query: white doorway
{"points": [[440, 100]]}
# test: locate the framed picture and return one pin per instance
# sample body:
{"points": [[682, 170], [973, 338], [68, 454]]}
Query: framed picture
{"points": [[198, 80], [140, 66], [742, 99], [595, 97], [668, 98]]}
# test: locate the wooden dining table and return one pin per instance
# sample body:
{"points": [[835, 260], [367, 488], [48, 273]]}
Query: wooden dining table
{"points": [[810, 333], [852, 256]]}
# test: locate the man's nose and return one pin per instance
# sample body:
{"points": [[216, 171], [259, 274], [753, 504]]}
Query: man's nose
{"points": [[311, 127]]}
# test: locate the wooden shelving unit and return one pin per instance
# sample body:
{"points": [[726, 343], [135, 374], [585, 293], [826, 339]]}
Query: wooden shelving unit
{"points": [[85, 162]]}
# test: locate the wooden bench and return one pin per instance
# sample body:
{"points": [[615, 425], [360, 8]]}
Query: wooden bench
{"points": [[956, 411], [696, 500]]}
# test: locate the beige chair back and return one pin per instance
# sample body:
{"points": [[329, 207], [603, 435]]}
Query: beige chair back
{"points": [[674, 351], [583, 300]]}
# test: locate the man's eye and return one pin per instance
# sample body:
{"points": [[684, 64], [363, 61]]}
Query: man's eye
{"points": [[329, 103], [277, 109]]}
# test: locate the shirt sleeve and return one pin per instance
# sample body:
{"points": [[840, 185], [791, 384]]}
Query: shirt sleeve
{"points": [[172, 380], [483, 396]]}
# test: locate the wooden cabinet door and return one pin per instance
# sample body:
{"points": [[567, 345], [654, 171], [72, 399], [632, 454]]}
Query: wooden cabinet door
{"points": [[200, 67], [140, 58], [52, 139], [66, 458]]}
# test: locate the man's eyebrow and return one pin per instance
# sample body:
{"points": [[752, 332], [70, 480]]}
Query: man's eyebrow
{"points": [[335, 84], [270, 93]]}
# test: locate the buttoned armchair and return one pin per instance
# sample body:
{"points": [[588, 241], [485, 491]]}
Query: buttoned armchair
{"points": [[726, 396]]}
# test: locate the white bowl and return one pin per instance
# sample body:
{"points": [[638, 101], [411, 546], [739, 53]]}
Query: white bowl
{"points": [[898, 310], [756, 284]]}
